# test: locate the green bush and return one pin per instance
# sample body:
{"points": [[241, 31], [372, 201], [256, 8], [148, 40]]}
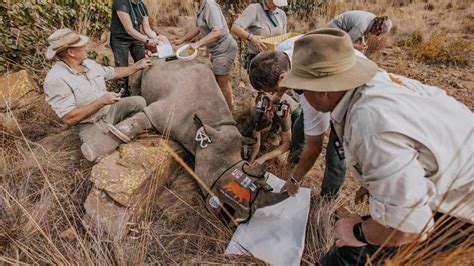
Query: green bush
{"points": [[27, 24]]}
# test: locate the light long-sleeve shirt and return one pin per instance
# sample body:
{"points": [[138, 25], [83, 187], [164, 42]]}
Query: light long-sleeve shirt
{"points": [[411, 146]]}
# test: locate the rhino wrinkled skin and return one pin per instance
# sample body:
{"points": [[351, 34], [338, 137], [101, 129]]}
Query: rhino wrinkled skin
{"points": [[186, 104]]}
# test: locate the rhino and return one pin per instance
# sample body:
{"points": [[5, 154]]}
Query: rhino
{"points": [[185, 103]]}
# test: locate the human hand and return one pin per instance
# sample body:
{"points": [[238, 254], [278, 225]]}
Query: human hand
{"points": [[291, 188], [258, 43], [144, 63], [360, 195], [195, 45], [152, 42], [361, 47], [110, 98], [259, 161], [178, 42], [344, 234], [161, 38]]}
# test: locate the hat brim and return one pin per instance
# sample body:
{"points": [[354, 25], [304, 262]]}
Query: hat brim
{"points": [[50, 53], [362, 71]]}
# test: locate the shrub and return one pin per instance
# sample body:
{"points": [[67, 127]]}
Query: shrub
{"points": [[27, 25], [441, 49], [411, 40]]}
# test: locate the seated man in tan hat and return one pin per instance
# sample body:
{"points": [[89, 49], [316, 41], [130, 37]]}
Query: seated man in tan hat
{"points": [[76, 90], [408, 144]]}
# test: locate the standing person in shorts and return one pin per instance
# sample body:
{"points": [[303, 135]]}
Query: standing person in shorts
{"points": [[258, 21], [223, 48]]}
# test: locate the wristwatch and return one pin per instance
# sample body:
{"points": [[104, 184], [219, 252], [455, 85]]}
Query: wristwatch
{"points": [[358, 233], [294, 181]]}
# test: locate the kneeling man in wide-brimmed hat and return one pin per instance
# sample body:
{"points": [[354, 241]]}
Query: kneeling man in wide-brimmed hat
{"points": [[408, 144], [76, 90]]}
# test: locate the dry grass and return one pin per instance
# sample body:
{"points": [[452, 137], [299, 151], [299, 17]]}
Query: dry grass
{"points": [[439, 48]]}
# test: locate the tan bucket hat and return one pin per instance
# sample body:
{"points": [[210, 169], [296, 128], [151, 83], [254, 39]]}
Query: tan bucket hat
{"points": [[324, 60], [63, 39]]}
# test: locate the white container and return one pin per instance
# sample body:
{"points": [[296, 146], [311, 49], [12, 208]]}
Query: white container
{"points": [[180, 53]]}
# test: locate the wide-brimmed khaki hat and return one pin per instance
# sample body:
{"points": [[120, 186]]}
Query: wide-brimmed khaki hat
{"points": [[324, 60], [63, 39]]}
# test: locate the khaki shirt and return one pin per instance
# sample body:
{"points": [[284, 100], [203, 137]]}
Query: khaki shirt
{"points": [[356, 23], [255, 21], [411, 146], [210, 18], [65, 89]]}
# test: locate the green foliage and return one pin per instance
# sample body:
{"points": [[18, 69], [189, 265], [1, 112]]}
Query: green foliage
{"points": [[27, 24]]}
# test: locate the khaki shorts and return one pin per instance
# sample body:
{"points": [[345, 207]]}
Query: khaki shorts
{"points": [[222, 63]]}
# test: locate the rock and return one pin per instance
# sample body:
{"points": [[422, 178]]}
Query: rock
{"points": [[126, 171], [130, 181], [106, 215], [16, 85]]}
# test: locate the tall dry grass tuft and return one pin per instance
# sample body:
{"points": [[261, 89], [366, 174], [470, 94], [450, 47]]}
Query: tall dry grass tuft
{"points": [[168, 13]]}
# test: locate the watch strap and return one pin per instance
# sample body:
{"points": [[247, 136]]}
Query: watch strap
{"points": [[358, 233]]}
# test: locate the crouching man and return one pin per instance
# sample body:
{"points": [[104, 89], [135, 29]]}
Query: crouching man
{"points": [[76, 90], [408, 144]]}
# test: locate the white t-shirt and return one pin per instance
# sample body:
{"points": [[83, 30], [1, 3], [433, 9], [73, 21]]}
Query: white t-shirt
{"points": [[315, 122]]}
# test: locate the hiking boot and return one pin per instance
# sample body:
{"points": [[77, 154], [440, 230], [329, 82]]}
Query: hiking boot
{"points": [[134, 125], [88, 152]]}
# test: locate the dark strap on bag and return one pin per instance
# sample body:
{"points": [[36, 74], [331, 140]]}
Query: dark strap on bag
{"points": [[270, 15]]}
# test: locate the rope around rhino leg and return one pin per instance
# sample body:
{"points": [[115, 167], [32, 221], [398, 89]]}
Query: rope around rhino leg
{"points": [[198, 179]]}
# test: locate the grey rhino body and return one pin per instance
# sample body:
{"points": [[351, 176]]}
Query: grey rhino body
{"points": [[178, 92]]}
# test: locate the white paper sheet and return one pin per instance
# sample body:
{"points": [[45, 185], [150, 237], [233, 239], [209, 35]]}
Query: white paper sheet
{"points": [[164, 50], [275, 234]]}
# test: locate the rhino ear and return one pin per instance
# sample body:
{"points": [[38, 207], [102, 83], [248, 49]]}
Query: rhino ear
{"points": [[135, 83], [248, 141], [255, 170]]}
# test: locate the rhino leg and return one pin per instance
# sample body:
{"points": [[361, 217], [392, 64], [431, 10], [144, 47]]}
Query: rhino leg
{"points": [[134, 125], [99, 141]]}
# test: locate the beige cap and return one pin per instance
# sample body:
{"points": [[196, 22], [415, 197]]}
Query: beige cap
{"points": [[63, 39]]}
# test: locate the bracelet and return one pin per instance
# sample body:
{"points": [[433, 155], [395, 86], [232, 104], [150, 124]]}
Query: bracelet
{"points": [[358, 233], [294, 181]]}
